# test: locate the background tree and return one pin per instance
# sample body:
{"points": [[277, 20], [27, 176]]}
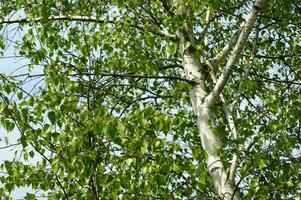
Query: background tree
{"points": [[153, 99]]}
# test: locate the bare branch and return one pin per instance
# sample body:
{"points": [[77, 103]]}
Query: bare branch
{"points": [[10, 145], [245, 75], [277, 57], [274, 80], [125, 75]]}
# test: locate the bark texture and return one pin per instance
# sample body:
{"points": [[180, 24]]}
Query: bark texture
{"points": [[206, 124], [203, 102]]}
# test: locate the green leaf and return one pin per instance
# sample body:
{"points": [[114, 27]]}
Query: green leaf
{"points": [[25, 156], [30, 196], [187, 45], [31, 154], [144, 147], [101, 94], [52, 117], [20, 95]]}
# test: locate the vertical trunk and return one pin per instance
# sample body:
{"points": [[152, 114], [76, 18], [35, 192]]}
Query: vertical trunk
{"points": [[205, 123]]}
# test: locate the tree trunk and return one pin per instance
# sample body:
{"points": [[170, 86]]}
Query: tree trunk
{"points": [[206, 123]]}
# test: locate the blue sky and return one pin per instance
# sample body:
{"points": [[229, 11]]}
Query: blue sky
{"points": [[9, 65]]}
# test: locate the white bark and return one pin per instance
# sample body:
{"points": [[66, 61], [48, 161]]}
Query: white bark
{"points": [[229, 116], [224, 77], [206, 124], [203, 103], [226, 50]]}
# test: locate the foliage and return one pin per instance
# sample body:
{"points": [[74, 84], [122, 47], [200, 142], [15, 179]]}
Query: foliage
{"points": [[109, 116]]}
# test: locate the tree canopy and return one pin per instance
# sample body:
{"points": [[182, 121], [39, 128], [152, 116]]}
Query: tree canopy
{"points": [[161, 99]]}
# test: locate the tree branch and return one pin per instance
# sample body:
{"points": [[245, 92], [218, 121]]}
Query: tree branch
{"points": [[90, 19], [247, 28], [245, 76], [273, 80], [125, 75], [10, 145], [226, 50], [276, 57]]}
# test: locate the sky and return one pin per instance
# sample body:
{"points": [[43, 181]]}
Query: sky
{"points": [[11, 65]]}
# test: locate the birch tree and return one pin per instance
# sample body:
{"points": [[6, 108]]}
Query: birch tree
{"points": [[151, 99]]}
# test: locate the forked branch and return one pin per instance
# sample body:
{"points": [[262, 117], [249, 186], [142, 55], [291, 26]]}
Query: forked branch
{"points": [[238, 48]]}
